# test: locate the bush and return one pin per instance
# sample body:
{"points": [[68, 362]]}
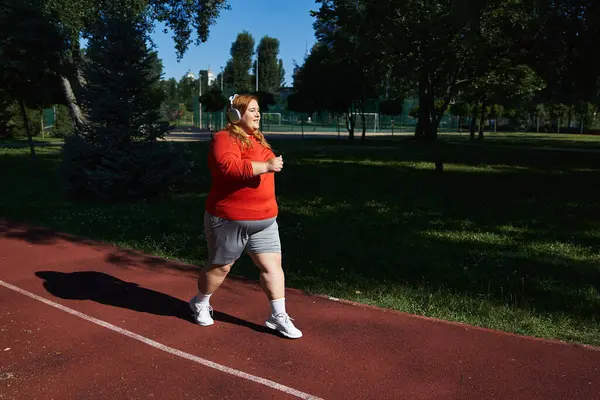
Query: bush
{"points": [[114, 173]]}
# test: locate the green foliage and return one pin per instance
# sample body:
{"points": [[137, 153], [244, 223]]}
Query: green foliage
{"points": [[461, 109], [300, 102], [181, 16], [270, 67], [31, 49], [237, 68], [281, 74], [141, 169], [213, 100], [347, 54], [495, 111], [8, 113], [187, 92], [265, 100], [123, 92], [118, 155], [63, 125], [391, 106]]}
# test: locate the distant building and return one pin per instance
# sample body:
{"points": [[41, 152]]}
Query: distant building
{"points": [[211, 76]]}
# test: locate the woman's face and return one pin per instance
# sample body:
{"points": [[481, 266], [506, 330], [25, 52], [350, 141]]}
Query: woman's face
{"points": [[250, 121]]}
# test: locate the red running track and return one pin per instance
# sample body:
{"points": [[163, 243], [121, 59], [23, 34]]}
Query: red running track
{"points": [[79, 319]]}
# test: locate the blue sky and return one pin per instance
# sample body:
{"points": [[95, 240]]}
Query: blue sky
{"points": [[287, 20]]}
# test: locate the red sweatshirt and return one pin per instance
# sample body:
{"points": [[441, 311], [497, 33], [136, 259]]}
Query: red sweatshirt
{"points": [[235, 194]]}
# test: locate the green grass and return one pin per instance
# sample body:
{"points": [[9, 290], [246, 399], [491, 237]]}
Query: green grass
{"points": [[544, 140], [23, 142], [504, 238]]}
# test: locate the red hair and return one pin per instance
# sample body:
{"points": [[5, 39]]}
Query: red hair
{"points": [[241, 103]]}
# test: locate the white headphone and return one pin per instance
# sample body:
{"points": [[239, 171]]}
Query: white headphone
{"points": [[233, 114]]}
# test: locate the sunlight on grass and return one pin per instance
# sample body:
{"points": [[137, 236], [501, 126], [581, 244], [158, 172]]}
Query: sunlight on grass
{"points": [[469, 236]]}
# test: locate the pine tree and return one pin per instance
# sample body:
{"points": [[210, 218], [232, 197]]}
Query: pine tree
{"points": [[118, 155]]}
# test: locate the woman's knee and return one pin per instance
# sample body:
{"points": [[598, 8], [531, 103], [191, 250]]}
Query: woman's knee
{"points": [[268, 262], [219, 268]]}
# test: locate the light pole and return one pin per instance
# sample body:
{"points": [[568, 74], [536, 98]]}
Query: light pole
{"points": [[199, 95], [222, 72], [257, 72]]}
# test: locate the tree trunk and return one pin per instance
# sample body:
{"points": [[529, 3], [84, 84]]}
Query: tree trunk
{"points": [[302, 125], [42, 123], [482, 120], [75, 112], [27, 128], [473, 123], [350, 119], [423, 121], [364, 128], [362, 114], [434, 121]]}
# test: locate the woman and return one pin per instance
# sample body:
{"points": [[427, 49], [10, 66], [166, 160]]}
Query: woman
{"points": [[241, 214]]}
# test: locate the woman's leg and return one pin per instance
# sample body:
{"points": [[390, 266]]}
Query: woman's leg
{"points": [[211, 277], [272, 278], [272, 281]]}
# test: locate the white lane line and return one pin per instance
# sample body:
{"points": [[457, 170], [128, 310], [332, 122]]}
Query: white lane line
{"points": [[179, 353]]}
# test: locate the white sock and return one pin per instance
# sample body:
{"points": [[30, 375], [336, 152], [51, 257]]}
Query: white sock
{"points": [[203, 298], [278, 306]]}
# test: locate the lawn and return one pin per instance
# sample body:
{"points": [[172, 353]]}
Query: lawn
{"points": [[540, 140], [505, 238]]}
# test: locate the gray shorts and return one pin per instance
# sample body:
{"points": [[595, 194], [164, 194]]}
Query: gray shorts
{"points": [[227, 239]]}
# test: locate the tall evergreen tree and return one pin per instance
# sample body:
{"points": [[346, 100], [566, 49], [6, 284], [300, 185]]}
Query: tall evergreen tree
{"points": [[241, 62], [269, 66], [118, 154], [123, 92]]}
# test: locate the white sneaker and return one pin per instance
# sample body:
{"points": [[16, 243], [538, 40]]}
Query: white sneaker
{"points": [[202, 312], [283, 323]]}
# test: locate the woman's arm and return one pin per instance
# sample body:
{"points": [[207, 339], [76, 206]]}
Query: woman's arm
{"points": [[274, 164], [229, 159]]}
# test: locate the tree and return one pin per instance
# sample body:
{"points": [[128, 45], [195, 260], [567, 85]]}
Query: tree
{"points": [[187, 92], [77, 19], [322, 83], [391, 107], [31, 47], [281, 74], [213, 100], [341, 28], [238, 67], [563, 42], [302, 103], [118, 155], [437, 44], [7, 114], [501, 84], [63, 126], [461, 110], [170, 105], [270, 67]]}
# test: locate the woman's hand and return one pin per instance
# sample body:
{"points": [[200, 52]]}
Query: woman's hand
{"points": [[275, 164]]}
